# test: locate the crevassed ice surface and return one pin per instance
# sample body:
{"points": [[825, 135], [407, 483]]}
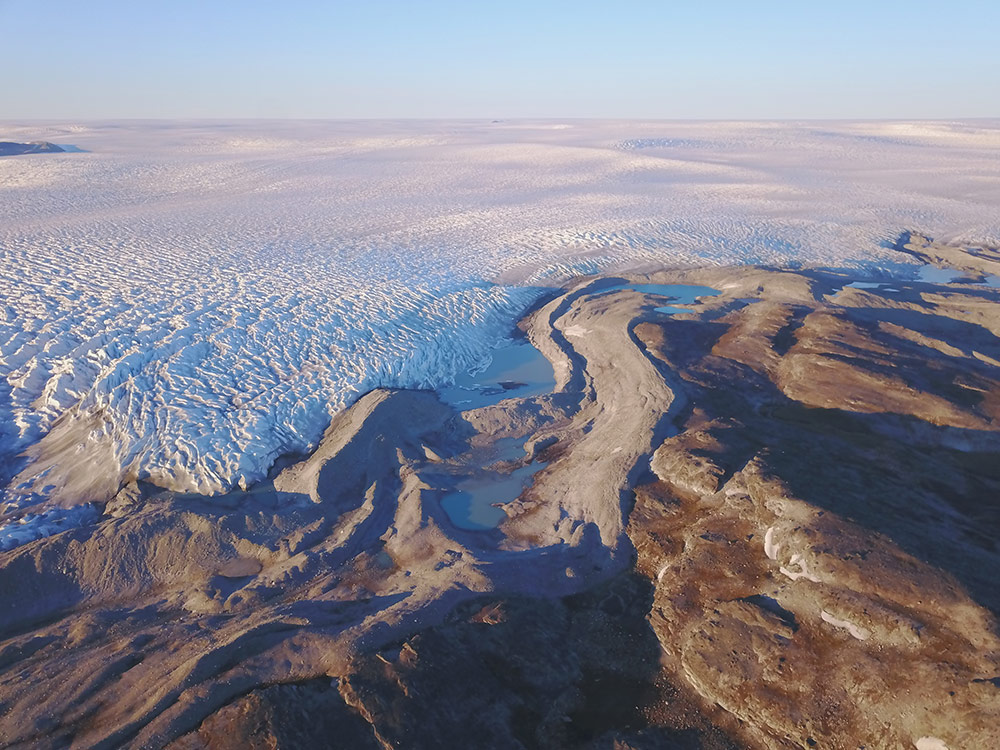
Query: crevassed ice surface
{"points": [[188, 301]]}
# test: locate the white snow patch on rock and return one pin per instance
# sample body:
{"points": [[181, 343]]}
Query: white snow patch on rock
{"points": [[862, 634], [770, 546], [799, 561]]}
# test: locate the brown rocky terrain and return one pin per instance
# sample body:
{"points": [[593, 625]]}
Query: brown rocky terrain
{"points": [[769, 522]]}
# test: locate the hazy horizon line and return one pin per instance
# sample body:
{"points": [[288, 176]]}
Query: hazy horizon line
{"points": [[490, 119]]}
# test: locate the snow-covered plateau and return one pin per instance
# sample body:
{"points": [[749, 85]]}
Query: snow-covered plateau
{"points": [[185, 302]]}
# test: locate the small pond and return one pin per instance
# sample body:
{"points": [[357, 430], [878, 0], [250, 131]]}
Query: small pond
{"points": [[472, 504], [517, 370], [679, 294]]}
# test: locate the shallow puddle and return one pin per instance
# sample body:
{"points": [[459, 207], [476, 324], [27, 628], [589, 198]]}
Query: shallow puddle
{"points": [[934, 275], [927, 274], [875, 286], [472, 504], [992, 281], [507, 449], [679, 294]]}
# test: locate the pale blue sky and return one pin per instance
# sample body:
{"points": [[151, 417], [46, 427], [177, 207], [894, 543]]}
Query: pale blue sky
{"points": [[437, 58]]}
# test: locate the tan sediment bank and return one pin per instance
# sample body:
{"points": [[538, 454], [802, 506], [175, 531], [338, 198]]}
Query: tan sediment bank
{"points": [[767, 523]]}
